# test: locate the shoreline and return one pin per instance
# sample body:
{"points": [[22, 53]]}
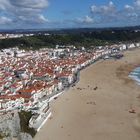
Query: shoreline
{"points": [[55, 96], [52, 98], [73, 91]]}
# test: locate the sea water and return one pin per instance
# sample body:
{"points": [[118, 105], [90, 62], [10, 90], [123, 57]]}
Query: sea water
{"points": [[135, 75]]}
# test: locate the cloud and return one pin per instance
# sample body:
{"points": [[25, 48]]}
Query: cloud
{"points": [[24, 11], [30, 13], [137, 3], [85, 20], [128, 8], [133, 11], [4, 4], [42, 19], [110, 13], [104, 9], [104, 14], [34, 19], [5, 20], [31, 4]]}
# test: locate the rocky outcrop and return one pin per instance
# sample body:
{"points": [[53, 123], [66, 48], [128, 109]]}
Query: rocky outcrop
{"points": [[24, 136], [9, 125]]}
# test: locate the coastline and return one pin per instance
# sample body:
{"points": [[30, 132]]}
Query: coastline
{"points": [[90, 111], [135, 75]]}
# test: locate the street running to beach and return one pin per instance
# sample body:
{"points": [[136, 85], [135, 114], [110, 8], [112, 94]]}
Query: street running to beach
{"points": [[104, 104]]}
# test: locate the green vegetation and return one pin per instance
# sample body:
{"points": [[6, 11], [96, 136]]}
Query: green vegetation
{"points": [[1, 136], [86, 39], [24, 123]]}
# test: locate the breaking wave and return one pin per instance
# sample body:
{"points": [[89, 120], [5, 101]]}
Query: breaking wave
{"points": [[135, 75]]}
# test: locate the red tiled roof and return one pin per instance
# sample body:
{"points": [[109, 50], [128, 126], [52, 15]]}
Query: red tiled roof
{"points": [[14, 97]]}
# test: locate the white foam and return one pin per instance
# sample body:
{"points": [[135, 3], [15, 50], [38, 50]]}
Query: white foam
{"points": [[135, 75]]}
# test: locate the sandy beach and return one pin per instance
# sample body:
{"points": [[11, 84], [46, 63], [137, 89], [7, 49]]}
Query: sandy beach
{"points": [[99, 106]]}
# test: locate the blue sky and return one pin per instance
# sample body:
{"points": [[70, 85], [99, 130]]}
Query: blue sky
{"points": [[68, 13]]}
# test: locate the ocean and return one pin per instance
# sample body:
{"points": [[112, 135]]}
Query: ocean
{"points": [[135, 75]]}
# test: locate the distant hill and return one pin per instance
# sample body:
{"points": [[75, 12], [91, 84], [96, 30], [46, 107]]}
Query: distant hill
{"points": [[85, 30], [70, 30], [79, 37]]}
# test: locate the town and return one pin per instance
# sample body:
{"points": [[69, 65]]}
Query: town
{"points": [[10, 35], [31, 79]]}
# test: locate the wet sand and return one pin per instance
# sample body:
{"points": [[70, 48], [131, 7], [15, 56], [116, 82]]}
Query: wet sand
{"points": [[104, 105]]}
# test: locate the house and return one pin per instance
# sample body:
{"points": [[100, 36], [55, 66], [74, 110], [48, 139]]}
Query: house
{"points": [[60, 86], [36, 96], [57, 85], [12, 102], [137, 44], [49, 89], [123, 47], [131, 46], [70, 78]]}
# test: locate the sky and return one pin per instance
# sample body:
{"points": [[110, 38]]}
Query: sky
{"points": [[34, 14]]}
